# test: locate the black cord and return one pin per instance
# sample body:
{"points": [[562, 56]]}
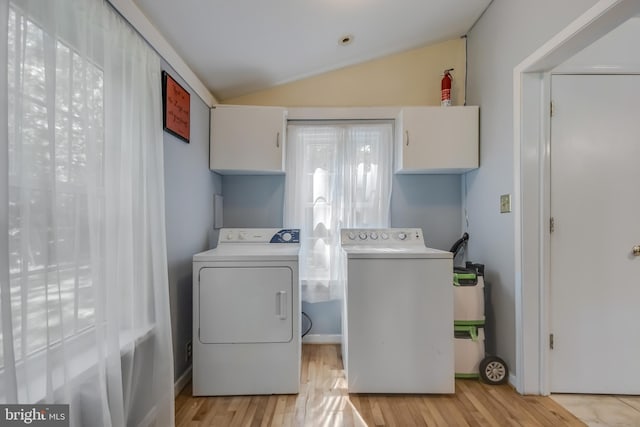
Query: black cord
{"points": [[466, 68], [310, 324]]}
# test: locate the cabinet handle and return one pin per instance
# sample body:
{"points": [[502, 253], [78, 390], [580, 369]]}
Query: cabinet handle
{"points": [[406, 132], [278, 140]]}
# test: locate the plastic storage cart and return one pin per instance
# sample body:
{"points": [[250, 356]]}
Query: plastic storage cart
{"points": [[471, 360]]}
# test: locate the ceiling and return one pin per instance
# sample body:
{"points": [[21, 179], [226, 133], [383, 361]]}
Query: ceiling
{"points": [[242, 46]]}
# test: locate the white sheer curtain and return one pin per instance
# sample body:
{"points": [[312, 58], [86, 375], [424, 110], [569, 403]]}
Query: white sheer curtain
{"points": [[338, 175], [84, 300]]}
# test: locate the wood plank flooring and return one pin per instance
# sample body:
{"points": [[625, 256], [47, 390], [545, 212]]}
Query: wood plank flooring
{"points": [[323, 401]]}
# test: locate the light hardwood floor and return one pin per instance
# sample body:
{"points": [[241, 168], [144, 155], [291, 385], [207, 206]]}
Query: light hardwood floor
{"points": [[323, 401]]}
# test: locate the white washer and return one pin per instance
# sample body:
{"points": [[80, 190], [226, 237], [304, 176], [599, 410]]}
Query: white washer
{"points": [[246, 314], [398, 313]]}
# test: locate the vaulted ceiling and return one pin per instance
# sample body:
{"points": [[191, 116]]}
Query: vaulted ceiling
{"points": [[241, 46]]}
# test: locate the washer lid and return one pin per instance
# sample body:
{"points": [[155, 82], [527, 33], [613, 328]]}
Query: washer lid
{"points": [[360, 252]]}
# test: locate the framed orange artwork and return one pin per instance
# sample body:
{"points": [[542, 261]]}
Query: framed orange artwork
{"points": [[175, 108]]}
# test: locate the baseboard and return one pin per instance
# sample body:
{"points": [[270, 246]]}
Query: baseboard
{"points": [[182, 382], [322, 339], [513, 381]]}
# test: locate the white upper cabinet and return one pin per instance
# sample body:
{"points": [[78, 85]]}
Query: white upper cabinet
{"points": [[250, 140], [247, 139], [437, 139]]}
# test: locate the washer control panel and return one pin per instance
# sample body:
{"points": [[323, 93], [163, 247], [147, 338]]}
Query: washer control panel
{"points": [[381, 236], [259, 235]]}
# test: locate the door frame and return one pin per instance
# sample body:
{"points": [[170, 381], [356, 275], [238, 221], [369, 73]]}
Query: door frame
{"points": [[531, 137]]}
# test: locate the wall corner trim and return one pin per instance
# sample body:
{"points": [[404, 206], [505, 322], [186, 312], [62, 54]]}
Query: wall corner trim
{"points": [[141, 23]]}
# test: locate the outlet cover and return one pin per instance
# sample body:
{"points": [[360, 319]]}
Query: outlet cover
{"points": [[505, 203]]}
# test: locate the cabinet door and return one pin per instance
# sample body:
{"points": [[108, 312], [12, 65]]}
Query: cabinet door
{"points": [[247, 139], [438, 140]]}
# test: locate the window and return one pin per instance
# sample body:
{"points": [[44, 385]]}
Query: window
{"points": [[338, 175], [49, 250], [85, 307]]}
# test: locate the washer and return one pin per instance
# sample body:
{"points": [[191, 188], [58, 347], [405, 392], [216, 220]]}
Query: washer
{"points": [[246, 314], [398, 313]]}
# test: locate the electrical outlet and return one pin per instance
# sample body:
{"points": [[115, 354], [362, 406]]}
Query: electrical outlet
{"points": [[505, 203], [188, 352]]}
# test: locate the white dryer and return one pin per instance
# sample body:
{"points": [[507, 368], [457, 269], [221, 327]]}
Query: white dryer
{"points": [[397, 313], [246, 314]]}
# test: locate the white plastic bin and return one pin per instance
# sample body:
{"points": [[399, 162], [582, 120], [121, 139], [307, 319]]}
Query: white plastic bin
{"points": [[469, 350], [468, 303]]}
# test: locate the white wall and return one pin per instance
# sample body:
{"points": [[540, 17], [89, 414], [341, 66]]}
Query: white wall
{"points": [[508, 32], [610, 54]]}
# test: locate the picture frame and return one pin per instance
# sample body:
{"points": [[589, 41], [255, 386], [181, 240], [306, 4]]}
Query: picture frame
{"points": [[175, 108]]}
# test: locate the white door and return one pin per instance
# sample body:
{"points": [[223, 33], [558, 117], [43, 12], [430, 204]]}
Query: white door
{"points": [[245, 305], [595, 204]]}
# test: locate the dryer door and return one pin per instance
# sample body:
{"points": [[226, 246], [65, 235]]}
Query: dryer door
{"points": [[245, 305]]}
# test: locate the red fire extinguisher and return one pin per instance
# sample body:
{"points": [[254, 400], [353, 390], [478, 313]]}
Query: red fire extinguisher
{"points": [[445, 98]]}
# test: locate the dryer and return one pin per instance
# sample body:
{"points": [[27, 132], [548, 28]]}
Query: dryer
{"points": [[246, 314], [397, 313]]}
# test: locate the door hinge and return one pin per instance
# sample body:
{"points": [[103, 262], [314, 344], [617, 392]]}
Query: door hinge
{"points": [[551, 341], [552, 225], [551, 109]]}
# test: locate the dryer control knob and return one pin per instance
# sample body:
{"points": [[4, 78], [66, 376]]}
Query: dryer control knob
{"points": [[402, 236], [286, 237], [373, 235], [351, 235], [363, 235], [384, 236]]}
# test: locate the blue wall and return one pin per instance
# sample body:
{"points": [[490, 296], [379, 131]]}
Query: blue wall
{"points": [[431, 202], [189, 190], [253, 200]]}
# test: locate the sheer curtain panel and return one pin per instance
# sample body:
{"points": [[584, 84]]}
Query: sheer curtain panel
{"points": [[338, 175], [84, 288]]}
